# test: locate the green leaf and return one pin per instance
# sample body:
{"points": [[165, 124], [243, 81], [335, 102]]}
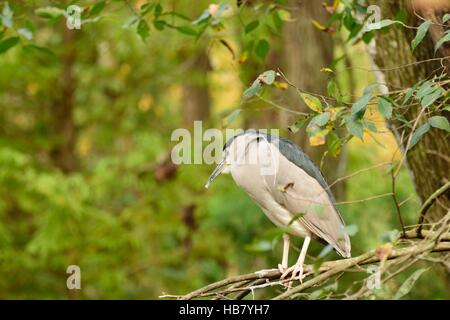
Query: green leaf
{"points": [[143, 29], [431, 97], [390, 236], [317, 123], [325, 251], [351, 230], [159, 24], [30, 48], [443, 40], [407, 286], [262, 48], [446, 18], [300, 123], [187, 31], [26, 33], [334, 144], [369, 88], [222, 7], [158, 10], [333, 89], [381, 24], [312, 102], [284, 15], [439, 122], [49, 12], [385, 107], [8, 43], [251, 26], [418, 134], [421, 32], [370, 125], [146, 8], [277, 21], [409, 94], [259, 246], [321, 119], [354, 126], [202, 18], [253, 89], [268, 77], [97, 8], [7, 16], [425, 89], [359, 107], [232, 117]]}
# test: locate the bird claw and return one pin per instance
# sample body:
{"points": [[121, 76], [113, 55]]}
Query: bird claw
{"points": [[294, 270], [282, 268]]}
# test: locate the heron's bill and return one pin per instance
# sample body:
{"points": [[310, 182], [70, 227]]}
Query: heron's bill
{"points": [[215, 173]]}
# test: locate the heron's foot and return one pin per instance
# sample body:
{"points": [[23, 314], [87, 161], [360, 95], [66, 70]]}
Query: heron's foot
{"points": [[282, 268], [296, 272]]}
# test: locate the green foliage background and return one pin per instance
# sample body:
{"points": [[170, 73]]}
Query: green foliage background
{"points": [[111, 216]]}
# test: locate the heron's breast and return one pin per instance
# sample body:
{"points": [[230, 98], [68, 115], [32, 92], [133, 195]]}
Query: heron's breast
{"points": [[249, 178]]}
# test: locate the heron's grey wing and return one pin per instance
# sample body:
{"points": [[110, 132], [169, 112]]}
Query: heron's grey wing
{"points": [[306, 198], [295, 155]]}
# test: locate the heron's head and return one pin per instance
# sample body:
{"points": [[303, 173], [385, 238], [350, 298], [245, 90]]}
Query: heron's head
{"points": [[235, 152]]}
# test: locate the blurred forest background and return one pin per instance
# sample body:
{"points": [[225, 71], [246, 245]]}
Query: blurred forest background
{"points": [[86, 118]]}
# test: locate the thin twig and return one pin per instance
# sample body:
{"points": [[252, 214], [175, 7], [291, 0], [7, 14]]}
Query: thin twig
{"points": [[429, 202]]}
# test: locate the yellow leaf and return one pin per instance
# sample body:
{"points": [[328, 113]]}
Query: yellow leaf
{"points": [[243, 57], [334, 112], [318, 25], [319, 138], [312, 102], [285, 15], [332, 9], [84, 147], [124, 71], [336, 4], [145, 102], [159, 111], [280, 85], [32, 88], [328, 70], [317, 141]]}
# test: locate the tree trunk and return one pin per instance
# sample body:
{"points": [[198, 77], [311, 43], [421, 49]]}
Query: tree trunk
{"points": [[195, 107], [196, 97], [429, 161], [306, 50], [63, 155]]}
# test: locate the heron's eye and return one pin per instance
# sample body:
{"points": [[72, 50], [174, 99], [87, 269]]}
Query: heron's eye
{"points": [[258, 138]]}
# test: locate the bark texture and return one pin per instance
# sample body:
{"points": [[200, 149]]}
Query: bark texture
{"points": [[429, 160], [306, 50], [196, 97], [63, 155]]}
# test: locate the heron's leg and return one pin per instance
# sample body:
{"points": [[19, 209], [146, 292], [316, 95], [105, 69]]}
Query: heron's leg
{"points": [[284, 261], [298, 267]]}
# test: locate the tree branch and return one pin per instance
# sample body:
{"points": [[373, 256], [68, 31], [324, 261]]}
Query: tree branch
{"points": [[429, 203], [436, 240]]}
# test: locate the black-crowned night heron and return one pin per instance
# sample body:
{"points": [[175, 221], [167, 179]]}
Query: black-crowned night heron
{"points": [[290, 190]]}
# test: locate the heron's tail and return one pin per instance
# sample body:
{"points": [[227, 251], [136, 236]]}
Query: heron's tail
{"points": [[343, 247]]}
